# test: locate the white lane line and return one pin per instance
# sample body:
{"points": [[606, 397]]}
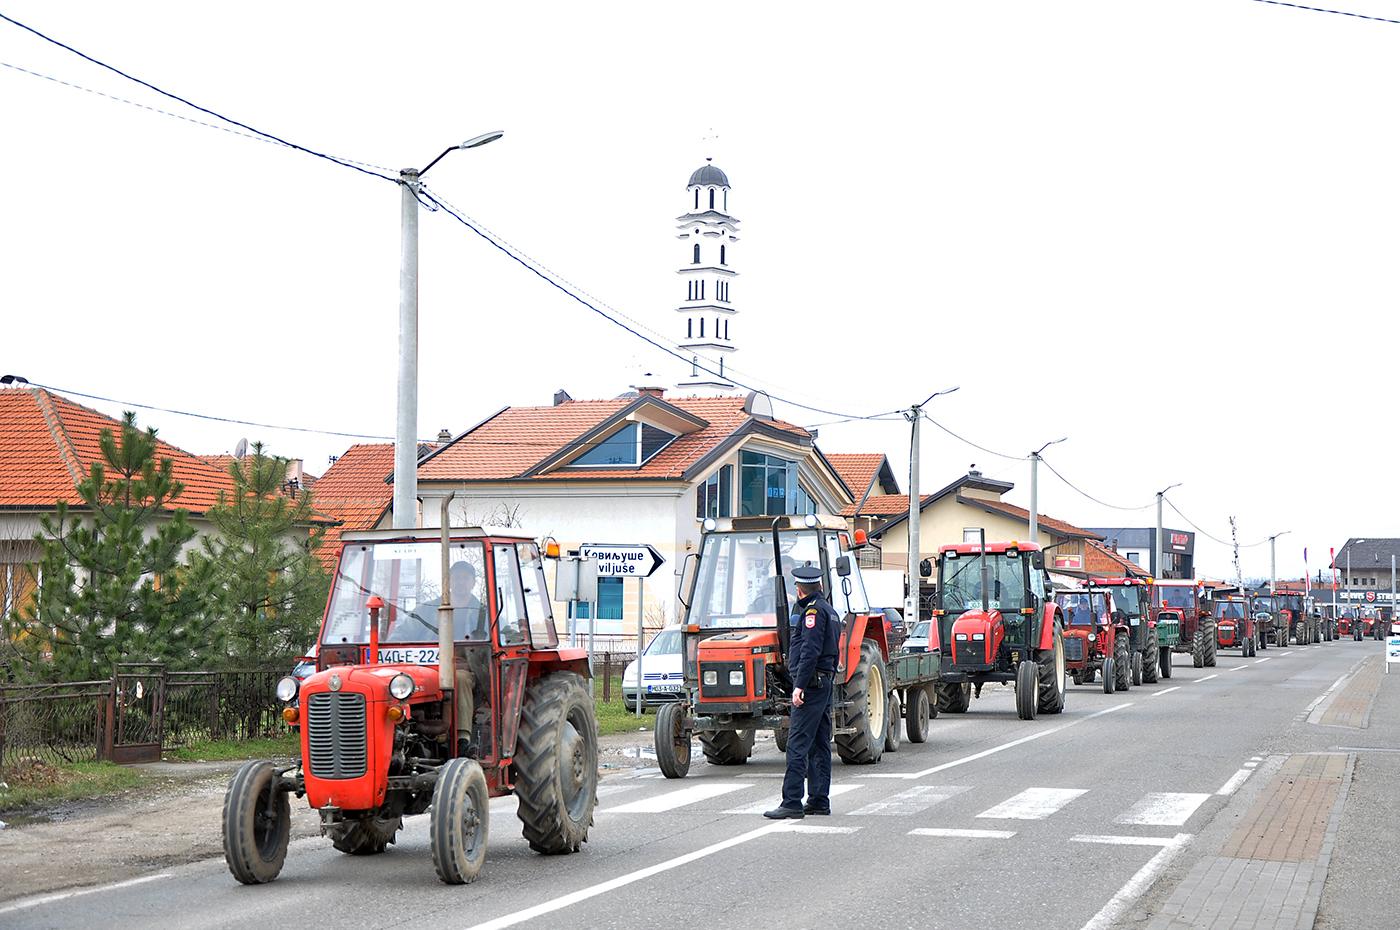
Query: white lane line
{"points": [[996, 749], [1261, 661], [583, 894], [63, 896], [1237, 779], [916, 799], [1033, 804], [607, 790], [1123, 840], [964, 834], [1165, 691], [674, 799], [1163, 809], [1315, 705], [1250, 765], [1139, 883], [1256, 758], [1207, 678], [769, 804], [1233, 668], [815, 828]]}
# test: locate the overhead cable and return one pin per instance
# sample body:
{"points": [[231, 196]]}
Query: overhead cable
{"points": [[1318, 9], [1084, 493], [1209, 536]]}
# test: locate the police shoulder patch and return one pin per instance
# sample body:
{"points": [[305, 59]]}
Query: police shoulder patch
{"points": [[811, 620]]}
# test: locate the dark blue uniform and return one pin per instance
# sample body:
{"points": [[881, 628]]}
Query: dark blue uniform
{"points": [[816, 631]]}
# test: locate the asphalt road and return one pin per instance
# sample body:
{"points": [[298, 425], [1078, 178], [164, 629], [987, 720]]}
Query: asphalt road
{"points": [[1060, 822]]}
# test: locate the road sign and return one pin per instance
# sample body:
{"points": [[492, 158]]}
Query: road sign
{"points": [[1392, 646], [621, 560]]}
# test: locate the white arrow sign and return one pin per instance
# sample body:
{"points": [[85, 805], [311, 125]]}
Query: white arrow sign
{"points": [[623, 561]]}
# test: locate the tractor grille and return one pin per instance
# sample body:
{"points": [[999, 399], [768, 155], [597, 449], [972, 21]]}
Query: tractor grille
{"points": [[1074, 648], [971, 653], [336, 734]]}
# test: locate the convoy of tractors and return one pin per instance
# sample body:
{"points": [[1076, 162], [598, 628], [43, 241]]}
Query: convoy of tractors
{"points": [[440, 680]]}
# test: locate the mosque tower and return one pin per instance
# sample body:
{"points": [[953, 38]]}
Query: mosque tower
{"points": [[707, 233]]}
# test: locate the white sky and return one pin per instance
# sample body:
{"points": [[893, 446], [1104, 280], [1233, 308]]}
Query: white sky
{"points": [[1164, 229]]}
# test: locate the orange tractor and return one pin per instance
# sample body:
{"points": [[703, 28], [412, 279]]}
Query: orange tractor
{"points": [[1235, 627], [1096, 641], [439, 684]]}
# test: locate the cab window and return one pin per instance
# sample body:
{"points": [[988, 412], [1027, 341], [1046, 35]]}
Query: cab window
{"points": [[537, 606], [510, 615]]}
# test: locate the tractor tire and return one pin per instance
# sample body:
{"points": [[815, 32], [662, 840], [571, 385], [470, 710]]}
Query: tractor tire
{"points": [[1109, 678], [459, 821], [727, 747], [953, 697], [1027, 684], [672, 741], [867, 696], [1122, 664], [1051, 699], [780, 739], [1088, 675], [367, 837], [1198, 646], [1164, 661], [1077, 677], [1210, 643], [556, 764], [1149, 657], [257, 824], [893, 714], [916, 714], [1137, 669]]}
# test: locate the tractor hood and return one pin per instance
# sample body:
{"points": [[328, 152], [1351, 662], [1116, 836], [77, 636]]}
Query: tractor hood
{"points": [[373, 680]]}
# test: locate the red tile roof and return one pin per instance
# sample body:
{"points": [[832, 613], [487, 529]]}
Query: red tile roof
{"points": [[1050, 524], [1103, 562], [858, 470], [885, 505], [48, 443], [354, 491]]}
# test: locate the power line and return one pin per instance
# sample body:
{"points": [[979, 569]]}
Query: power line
{"points": [[1084, 493], [1318, 9], [966, 441], [1209, 536], [205, 110]]}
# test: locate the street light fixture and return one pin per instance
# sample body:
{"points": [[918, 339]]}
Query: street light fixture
{"points": [[1157, 541], [1035, 486], [406, 432]]}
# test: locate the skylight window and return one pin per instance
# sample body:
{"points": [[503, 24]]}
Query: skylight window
{"points": [[632, 445]]}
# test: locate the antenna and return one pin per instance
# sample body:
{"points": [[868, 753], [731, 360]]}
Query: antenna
{"points": [[240, 450]]}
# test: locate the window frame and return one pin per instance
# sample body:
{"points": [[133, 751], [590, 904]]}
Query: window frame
{"points": [[640, 427]]}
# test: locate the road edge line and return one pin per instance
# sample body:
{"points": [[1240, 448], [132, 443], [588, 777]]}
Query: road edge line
{"points": [[1136, 886]]}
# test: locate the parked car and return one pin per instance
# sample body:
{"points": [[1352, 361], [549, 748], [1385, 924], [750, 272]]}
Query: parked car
{"points": [[917, 640], [895, 627], [662, 672]]}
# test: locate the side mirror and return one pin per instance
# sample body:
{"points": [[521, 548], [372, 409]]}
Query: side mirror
{"points": [[1038, 561], [925, 568], [684, 569], [843, 566]]}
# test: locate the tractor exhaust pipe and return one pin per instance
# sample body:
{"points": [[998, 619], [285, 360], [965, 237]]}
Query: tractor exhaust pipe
{"points": [[986, 572], [447, 674]]}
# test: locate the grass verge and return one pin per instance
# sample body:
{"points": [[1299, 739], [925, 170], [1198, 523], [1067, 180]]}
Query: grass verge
{"points": [[39, 783], [612, 716], [279, 747]]}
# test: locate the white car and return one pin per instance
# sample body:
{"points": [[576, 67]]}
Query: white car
{"points": [[662, 672]]}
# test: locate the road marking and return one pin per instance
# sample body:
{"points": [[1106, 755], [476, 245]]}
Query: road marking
{"points": [[769, 804], [1233, 668], [964, 834], [1033, 804], [1314, 706], [1165, 691], [1261, 661], [1140, 882], [1207, 678], [606, 790], [916, 799], [1237, 779], [1004, 746], [674, 799], [815, 828], [1163, 809], [1250, 765], [1123, 840], [63, 896], [583, 894]]}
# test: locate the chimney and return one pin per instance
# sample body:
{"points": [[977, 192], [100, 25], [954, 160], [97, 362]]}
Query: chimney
{"points": [[561, 396], [444, 435], [657, 392]]}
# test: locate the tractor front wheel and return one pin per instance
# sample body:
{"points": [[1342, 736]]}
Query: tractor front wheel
{"points": [[727, 747], [1122, 664], [556, 763], [672, 741], [1051, 663], [867, 704], [1027, 684], [892, 717], [953, 697], [257, 823], [1164, 661], [1108, 674], [1137, 669], [365, 837], [1198, 646], [916, 714], [1149, 656], [459, 821], [1208, 626]]}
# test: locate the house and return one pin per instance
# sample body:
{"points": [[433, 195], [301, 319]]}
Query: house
{"points": [[1137, 545], [355, 491], [872, 482], [642, 468]]}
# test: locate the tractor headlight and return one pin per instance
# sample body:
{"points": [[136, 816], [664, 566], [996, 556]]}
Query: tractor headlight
{"points": [[710, 678], [401, 686], [1092, 637], [960, 637], [287, 689], [736, 677], [979, 637]]}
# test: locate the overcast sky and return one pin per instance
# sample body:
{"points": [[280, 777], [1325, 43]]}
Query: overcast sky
{"points": [[1167, 230]]}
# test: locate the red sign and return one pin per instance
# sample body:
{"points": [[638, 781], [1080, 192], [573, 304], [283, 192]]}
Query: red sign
{"points": [[1370, 596], [1179, 539], [1073, 563]]}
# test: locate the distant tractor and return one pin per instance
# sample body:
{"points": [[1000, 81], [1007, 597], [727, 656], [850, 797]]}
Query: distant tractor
{"points": [[1372, 626], [1182, 602], [1348, 625], [439, 684], [1299, 622], [1150, 638], [997, 622], [1096, 643], [1234, 624]]}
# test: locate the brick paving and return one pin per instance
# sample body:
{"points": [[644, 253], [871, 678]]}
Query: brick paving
{"points": [[1352, 707]]}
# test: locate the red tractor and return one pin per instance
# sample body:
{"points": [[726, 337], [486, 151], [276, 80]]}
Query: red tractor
{"points": [[1183, 602], [1095, 640], [996, 621], [1372, 626], [1234, 624], [1293, 616], [1130, 600], [1347, 623], [439, 684]]}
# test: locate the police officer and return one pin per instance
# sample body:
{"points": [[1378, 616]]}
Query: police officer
{"points": [[812, 663]]}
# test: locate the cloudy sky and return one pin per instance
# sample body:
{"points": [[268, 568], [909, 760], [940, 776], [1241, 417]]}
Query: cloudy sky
{"points": [[1166, 230]]}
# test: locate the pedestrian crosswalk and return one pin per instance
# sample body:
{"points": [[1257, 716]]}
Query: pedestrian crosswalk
{"points": [[1033, 804]]}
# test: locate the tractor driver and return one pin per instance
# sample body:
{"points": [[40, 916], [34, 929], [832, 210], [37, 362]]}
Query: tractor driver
{"points": [[468, 619], [812, 661]]}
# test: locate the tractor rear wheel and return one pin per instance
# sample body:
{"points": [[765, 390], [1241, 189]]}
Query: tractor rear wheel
{"points": [[1108, 676], [867, 706], [1164, 661], [953, 697], [1210, 642], [1027, 684], [556, 763], [459, 821], [1122, 664], [672, 741], [1198, 646], [727, 747], [892, 718], [367, 837], [1051, 662], [257, 823], [1137, 669], [916, 714], [1149, 656]]}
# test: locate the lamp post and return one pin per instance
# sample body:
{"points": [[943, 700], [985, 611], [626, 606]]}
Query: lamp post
{"points": [[1157, 540], [1035, 488], [406, 431], [1273, 578]]}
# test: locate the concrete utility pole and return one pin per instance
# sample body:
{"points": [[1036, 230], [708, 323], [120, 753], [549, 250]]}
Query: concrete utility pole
{"points": [[1273, 574], [1157, 539], [406, 424], [915, 415], [1035, 488]]}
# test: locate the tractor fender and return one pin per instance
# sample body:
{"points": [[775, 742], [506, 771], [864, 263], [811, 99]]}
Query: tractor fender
{"points": [[1049, 619], [858, 629], [544, 661]]}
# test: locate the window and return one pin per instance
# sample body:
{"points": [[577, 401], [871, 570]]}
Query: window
{"points": [[697, 198], [713, 495], [511, 615], [654, 440], [689, 325], [1133, 557], [537, 605], [609, 598], [633, 444], [726, 200], [721, 255], [702, 327], [702, 289], [971, 534], [695, 260], [768, 486], [726, 329], [712, 198]]}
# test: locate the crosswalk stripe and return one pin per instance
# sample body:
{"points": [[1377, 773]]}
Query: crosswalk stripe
{"points": [[1033, 804], [1164, 809], [909, 802], [964, 834], [674, 799], [770, 803], [607, 790]]}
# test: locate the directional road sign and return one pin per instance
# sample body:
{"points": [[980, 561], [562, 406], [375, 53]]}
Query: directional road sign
{"points": [[618, 560]]}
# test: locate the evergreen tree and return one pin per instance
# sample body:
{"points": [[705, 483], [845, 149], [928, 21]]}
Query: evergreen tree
{"points": [[267, 586]]}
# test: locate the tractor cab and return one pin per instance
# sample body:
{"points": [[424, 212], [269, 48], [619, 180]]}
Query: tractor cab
{"points": [[1150, 639], [1129, 606], [1234, 625]]}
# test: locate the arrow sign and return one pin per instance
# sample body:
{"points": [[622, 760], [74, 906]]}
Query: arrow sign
{"points": [[623, 561]]}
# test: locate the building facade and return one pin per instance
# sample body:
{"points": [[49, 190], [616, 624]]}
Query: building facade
{"points": [[708, 233], [1136, 544]]}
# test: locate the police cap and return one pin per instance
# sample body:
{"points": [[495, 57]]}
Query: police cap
{"points": [[808, 574]]}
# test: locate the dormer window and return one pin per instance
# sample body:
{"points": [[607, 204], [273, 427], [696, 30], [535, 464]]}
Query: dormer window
{"points": [[632, 445]]}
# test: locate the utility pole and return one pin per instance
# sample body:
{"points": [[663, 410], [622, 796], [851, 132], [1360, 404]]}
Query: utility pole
{"points": [[1157, 540], [1035, 488], [915, 415], [1235, 541]]}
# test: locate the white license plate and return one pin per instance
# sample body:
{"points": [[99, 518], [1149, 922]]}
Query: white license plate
{"points": [[412, 655], [665, 688]]}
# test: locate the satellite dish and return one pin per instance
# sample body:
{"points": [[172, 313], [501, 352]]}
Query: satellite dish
{"points": [[240, 450]]}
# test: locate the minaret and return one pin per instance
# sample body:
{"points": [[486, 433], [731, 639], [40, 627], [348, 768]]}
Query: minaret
{"points": [[707, 233]]}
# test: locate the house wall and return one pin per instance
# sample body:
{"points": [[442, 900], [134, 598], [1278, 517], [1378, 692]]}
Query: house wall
{"points": [[942, 523]]}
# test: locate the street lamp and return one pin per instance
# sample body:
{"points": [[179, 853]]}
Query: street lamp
{"points": [[1035, 462], [1157, 542], [406, 432]]}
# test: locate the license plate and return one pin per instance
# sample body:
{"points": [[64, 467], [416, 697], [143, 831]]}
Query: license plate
{"points": [[412, 655], [666, 688]]}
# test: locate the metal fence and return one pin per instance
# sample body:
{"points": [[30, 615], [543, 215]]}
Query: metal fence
{"points": [[607, 675]]}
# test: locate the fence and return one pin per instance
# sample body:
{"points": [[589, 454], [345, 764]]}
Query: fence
{"points": [[608, 666], [139, 706]]}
